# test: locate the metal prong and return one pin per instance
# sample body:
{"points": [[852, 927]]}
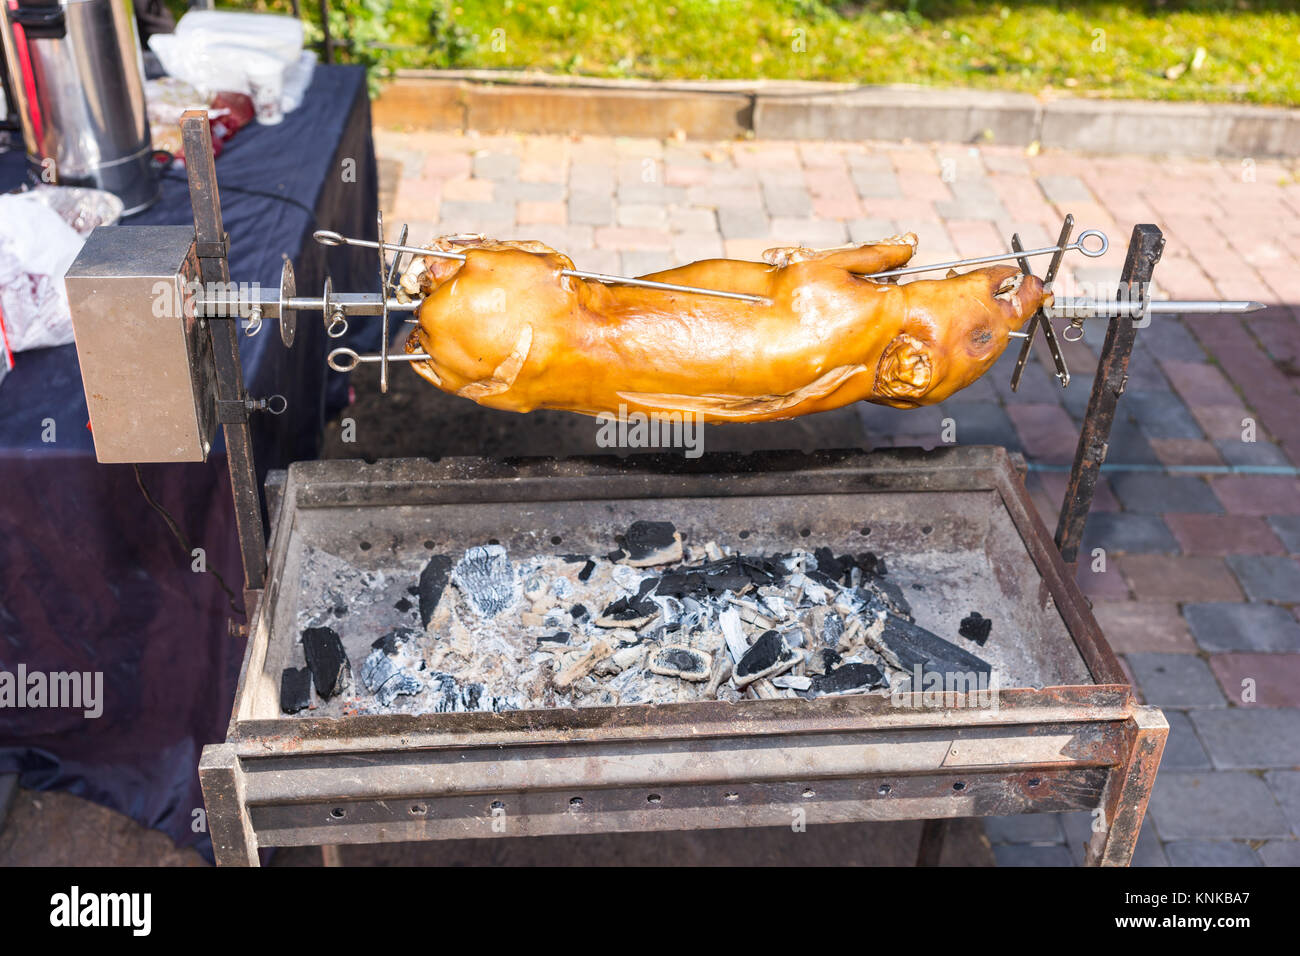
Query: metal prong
{"points": [[383, 294], [328, 238], [1077, 246], [1025, 349], [1049, 333], [345, 359]]}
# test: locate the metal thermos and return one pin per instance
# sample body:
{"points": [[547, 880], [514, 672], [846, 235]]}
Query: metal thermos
{"points": [[78, 81]]}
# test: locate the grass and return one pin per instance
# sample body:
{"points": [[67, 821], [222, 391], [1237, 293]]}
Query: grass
{"points": [[1203, 50]]}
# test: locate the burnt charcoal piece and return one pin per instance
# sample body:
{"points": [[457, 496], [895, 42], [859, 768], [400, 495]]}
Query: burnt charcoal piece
{"points": [[487, 579], [975, 628], [575, 558], [631, 611], [578, 612], [768, 655], [386, 680], [677, 660], [907, 646], [648, 543], [871, 565], [340, 611], [837, 569], [403, 605], [326, 659], [616, 555], [391, 641], [832, 629], [892, 592], [849, 679], [559, 637], [433, 581], [295, 689], [585, 573]]}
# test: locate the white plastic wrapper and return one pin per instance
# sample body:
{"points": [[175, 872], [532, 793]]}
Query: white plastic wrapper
{"points": [[215, 50], [36, 248]]}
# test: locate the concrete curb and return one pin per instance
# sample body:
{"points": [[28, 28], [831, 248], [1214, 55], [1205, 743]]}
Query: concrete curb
{"points": [[490, 101]]}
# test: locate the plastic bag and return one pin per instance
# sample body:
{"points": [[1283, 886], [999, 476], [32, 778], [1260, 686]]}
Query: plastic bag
{"points": [[36, 249]]}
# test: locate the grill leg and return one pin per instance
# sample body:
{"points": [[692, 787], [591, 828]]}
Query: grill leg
{"points": [[1124, 802], [233, 841]]}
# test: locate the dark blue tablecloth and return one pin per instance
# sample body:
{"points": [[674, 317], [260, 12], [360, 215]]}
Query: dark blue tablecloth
{"points": [[91, 579]]}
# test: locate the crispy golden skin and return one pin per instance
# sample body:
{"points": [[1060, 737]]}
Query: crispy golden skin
{"points": [[506, 330]]}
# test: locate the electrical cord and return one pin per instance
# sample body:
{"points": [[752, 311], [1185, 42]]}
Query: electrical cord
{"points": [[179, 535]]}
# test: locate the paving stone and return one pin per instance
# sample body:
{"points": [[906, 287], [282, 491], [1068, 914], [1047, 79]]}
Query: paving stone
{"points": [[1108, 585], [869, 230], [1211, 853], [1046, 431], [692, 219], [1214, 806], [1186, 451], [814, 233], [1267, 577], [1200, 383], [626, 238], [1147, 492], [526, 191], [641, 215], [1143, 626], [1028, 855], [1155, 577], [1036, 385], [742, 222], [591, 208], [1251, 453], [1272, 679], [1258, 495], [1036, 828], [1175, 680], [1128, 446], [1223, 422], [1249, 738], [1064, 189], [873, 183], [1078, 833], [788, 201], [499, 166], [1223, 534], [640, 263], [1243, 627], [1285, 785], [655, 194], [529, 213], [692, 247], [1287, 528], [1280, 853], [1161, 414], [981, 423], [1183, 750], [1128, 533], [1168, 338]]}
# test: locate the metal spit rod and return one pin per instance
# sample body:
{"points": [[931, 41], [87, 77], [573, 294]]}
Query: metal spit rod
{"points": [[327, 238]]}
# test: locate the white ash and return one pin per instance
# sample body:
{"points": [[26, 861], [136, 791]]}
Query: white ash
{"points": [[509, 632]]}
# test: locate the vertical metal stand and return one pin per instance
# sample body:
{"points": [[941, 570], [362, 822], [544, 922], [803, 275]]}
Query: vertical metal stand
{"points": [[211, 244], [1144, 249]]}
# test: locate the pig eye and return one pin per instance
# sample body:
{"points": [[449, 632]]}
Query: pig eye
{"points": [[981, 336]]}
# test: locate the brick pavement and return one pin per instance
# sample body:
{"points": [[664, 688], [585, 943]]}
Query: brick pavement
{"points": [[1201, 587]]}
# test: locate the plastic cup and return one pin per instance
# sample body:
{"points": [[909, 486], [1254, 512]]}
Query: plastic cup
{"points": [[266, 85]]}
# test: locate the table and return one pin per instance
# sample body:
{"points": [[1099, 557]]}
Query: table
{"points": [[92, 581]]}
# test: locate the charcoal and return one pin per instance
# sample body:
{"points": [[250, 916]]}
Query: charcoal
{"points": [[768, 655], [822, 661], [648, 543], [631, 611], [585, 573], [433, 581], [677, 660], [340, 611], [559, 637], [849, 679], [295, 689], [832, 629], [616, 555], [578, 612], [326, 659], [908, 646], [487, 579], [792, 682], [975, 628], [394, 639], [385, 679], [403, 605], [892, 592], [837, 569], [575, 558], [871, 565]]}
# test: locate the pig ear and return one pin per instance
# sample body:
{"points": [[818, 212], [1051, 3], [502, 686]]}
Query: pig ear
{"points": [[906, 369]]}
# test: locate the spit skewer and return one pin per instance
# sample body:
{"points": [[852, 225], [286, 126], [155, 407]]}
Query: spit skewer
{"points": [[1077, 246], [327, 238]]}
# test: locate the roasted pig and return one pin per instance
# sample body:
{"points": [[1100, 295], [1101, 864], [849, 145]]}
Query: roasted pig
{"points": [[505, 329]]}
